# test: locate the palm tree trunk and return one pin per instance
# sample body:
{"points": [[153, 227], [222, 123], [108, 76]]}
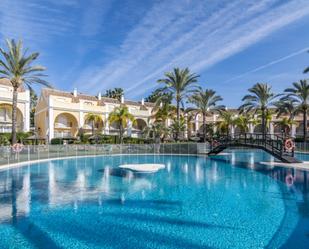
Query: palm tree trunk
{"points": [[120, 133], [204, 127], [14, 116], [92, 128], [178, 109], [263, 123], [305, 125]]}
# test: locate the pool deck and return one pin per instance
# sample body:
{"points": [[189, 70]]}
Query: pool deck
{"points": [[303, 166]]}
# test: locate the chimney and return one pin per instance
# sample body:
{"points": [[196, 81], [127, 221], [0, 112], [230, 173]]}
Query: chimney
{"points": [[99, 96], [143, 101], [75, 92], [122, 99]]}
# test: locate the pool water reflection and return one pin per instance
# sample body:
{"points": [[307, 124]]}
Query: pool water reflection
{"points": [[229, 201]]}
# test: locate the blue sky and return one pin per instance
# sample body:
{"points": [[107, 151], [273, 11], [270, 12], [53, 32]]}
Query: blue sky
{"points": [[95, 45]]}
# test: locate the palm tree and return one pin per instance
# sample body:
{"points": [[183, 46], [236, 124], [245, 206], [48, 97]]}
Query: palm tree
{"points": [[121, 116], [286, 107], [227, 119], [179, 83], [286, 125], [259, 99], [178, 127], [205, 102], [16, 66], [156, 131], [163, 111], [299, 94], [95, 120]]}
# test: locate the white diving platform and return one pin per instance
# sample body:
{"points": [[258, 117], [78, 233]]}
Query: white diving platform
{"points": [[143, 168]]}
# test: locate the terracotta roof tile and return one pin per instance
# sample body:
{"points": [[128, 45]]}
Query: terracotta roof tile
{"points": [[48, 91]]}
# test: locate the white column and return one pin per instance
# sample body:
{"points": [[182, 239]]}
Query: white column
{"points": [[81, 119], [27, 113], [50, 119], [214, 122], [251, 128], [168, 122], [232, 130], [196, 123], [129, 128], [271, 128], [106, 129]]}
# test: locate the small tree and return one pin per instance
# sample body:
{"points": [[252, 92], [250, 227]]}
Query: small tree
{"points": [[121, 116], [95, 120], [115, 93], [206, 102], [259, 99]]}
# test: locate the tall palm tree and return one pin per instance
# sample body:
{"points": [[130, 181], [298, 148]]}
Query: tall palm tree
{"points": [[206, 102], [121, 116], [227, 119], [299, 94], [179, 83], [259, 99], [95, 120], [16, 66]]}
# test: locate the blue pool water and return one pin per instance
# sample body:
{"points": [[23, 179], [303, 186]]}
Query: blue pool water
{"points": [[229, 201]]}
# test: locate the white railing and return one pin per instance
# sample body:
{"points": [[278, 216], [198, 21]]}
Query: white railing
{"points": [[39, 152]]}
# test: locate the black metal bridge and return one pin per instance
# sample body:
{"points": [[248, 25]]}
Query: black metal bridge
{"points": [[270, 143]]}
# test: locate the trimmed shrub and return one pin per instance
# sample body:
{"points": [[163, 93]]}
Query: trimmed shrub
{"points": [[135, 140], [4, 141], [19, 135], [56, 140]]}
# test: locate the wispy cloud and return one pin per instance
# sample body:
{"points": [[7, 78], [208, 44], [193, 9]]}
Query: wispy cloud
{"points": [[33, 21], [274, 62], [197, 34], [94, 15]]}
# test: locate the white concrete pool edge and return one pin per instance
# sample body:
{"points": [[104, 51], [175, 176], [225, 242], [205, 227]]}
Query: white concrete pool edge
{"points": [[303, 166], [27, 163]]}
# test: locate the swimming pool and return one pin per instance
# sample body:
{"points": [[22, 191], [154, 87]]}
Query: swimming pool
{"points": [[229, 201]]}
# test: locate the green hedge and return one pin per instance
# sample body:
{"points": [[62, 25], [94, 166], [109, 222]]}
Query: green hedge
{"points": [[5, 138], [134, 140], [59, 140]]}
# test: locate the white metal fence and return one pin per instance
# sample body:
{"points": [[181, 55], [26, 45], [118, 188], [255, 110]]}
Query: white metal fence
{"points": [[38, 152]]}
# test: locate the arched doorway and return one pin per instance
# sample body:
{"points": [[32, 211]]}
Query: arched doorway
{"points": [[138, 127], [65, 125], [6, 118]]}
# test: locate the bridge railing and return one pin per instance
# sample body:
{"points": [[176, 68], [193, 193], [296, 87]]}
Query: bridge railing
{"points": [[271, 142]]}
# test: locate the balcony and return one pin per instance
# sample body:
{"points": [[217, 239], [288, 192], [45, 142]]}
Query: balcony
{"points": [[63, 126]]}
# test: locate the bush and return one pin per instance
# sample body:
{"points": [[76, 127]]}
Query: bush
{"points": [[56, 141], [19, 135], [103, 139], [135, 140], [4, 141]]}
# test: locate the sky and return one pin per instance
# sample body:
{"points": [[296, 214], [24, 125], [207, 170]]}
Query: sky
{"points": [[94, 45]]}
